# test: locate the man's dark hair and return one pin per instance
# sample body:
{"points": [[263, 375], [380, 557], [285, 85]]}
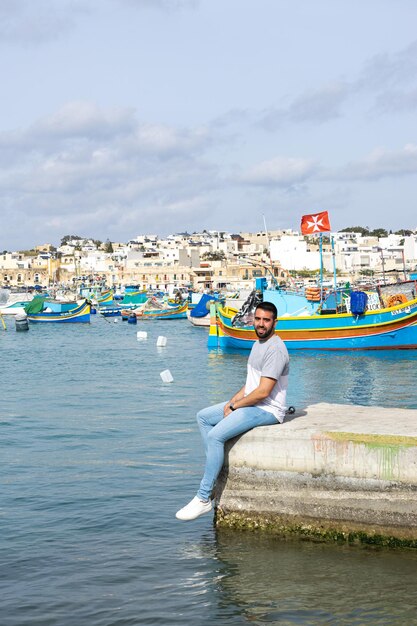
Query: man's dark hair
{"points": [[268, 306]]}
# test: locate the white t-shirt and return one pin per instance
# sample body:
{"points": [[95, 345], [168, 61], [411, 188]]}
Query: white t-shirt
{"points": [[269, 358]]}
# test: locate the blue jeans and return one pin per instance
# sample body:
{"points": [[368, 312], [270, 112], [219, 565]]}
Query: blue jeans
{"points": [[216, 430]]}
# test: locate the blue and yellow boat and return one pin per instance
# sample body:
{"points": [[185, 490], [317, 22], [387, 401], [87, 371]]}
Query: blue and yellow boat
{"points": [[392, 327], [105, 297], [79, 313], [154, 311]]}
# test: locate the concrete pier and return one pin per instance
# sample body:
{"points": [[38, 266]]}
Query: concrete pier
{"points": [[330, 472]]}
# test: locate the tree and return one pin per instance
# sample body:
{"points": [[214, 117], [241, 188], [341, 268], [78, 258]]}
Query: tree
{"points": [[314, 239], [379, 232], [356, 229], [404, 233], [68, 238], [213, 256], [108, 247]]}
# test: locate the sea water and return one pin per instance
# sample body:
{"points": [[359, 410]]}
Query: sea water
{"points": [[97, 453]]}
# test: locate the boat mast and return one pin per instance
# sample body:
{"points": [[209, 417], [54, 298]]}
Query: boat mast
{"points": [[269, 251], [334, 268]]}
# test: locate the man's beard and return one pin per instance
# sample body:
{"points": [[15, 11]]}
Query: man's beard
{"points": [[266, 335]]}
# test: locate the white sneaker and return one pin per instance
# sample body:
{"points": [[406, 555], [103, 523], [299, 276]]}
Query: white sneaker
{"points": [[193, 509]]}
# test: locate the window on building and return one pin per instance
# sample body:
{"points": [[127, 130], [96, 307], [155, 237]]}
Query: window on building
{"points": [[19, 278], [36, 278]]}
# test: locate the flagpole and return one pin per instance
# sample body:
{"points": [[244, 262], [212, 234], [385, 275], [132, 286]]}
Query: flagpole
{"points": [[321, 268]]}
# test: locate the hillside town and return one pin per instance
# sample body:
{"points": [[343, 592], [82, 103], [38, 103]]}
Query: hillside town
{"points": [[212, 260]]}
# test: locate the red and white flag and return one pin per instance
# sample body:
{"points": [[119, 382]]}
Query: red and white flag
{"points": [[315, 223]]}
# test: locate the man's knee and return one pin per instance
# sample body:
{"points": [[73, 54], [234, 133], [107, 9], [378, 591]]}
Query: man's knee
{"points": [[213, 438]]}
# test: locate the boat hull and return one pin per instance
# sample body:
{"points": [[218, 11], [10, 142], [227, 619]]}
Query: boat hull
{"points": [[384, 329], [199, 321], [17, 308], [172, 313], [80, 314]]}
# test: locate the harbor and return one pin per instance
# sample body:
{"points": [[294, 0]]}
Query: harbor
{"points": [[97, 459], [208, 203]]}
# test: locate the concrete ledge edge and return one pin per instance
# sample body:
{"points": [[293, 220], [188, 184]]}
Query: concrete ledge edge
{"points": [[314, 530]]}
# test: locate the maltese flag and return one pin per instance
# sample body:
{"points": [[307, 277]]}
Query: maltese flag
{"points": [[316, 223]]}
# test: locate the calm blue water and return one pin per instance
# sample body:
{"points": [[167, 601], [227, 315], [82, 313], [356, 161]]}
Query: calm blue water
{"points": [[97, 454]]}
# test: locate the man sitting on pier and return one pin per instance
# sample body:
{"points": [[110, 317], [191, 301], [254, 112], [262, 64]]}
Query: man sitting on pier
{"points": [[260, 402]]}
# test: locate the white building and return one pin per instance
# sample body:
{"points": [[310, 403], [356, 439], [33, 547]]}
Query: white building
{"points": [[293, 252]]}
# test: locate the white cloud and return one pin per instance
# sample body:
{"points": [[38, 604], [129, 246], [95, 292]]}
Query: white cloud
{"points": [[85, 165], [396, 102], [386, 71], [85, 119], [34, 22], [379, 164], [279, 172], [29, 22], [318, 105]]}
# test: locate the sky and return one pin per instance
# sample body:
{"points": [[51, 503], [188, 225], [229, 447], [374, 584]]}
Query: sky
{"points": [[125, 117]]}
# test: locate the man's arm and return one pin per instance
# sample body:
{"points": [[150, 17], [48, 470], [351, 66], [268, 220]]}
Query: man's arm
{"points": [[261, 392], [238, 396]]}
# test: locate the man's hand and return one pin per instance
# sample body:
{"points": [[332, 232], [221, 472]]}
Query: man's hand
{"points": [[261, 392]]}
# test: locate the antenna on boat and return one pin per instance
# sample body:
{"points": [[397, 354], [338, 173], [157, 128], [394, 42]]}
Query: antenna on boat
{"points": [[268, 243], [267, 240], [334, 266], [264, 266]]}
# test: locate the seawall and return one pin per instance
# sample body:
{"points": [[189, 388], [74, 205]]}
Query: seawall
{"points": [[330, 472]]}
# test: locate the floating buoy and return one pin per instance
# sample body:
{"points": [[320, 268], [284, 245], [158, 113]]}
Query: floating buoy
{"points": [[141, 335], [166, 376], [21, 321], [132, 319], [161, 341]]}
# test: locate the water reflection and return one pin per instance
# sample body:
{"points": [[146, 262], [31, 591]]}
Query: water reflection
{"points": [[270, 581]]}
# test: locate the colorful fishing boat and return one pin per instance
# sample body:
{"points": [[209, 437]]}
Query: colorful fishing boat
{"points": [[105, 297], [154, 310], [198, 311], [79, 313], [109, 307], [13, 308], [393, 327], [59, 306], [133, 297]]}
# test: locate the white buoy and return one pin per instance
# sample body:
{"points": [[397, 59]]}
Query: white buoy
{"points": [[161, 341], [166, 376], [115, 320], [141, 335]]}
